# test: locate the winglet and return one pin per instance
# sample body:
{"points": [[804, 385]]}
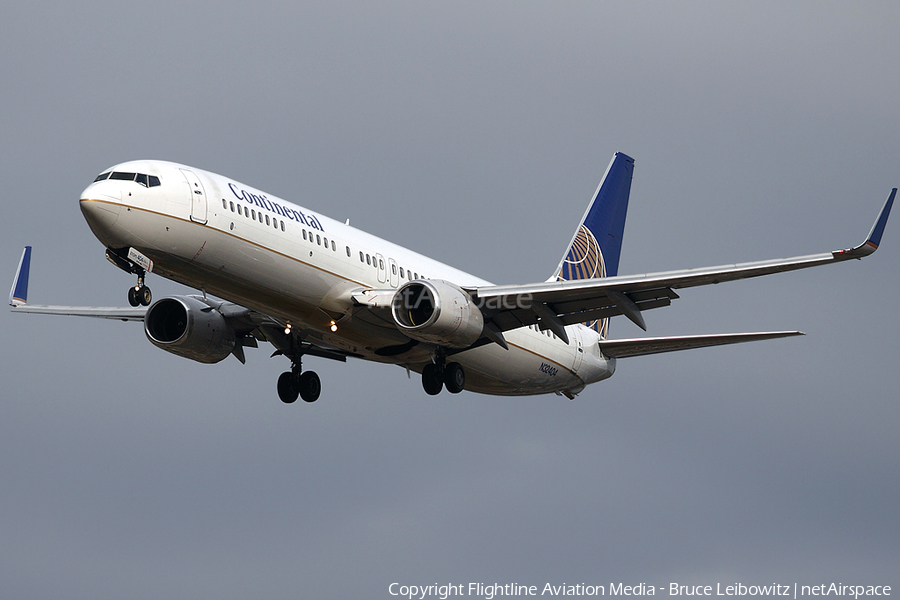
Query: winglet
{"points": [[18, 293], [874, 238]]}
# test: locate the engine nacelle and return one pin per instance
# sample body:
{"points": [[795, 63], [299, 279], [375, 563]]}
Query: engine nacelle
{"points": [[189, 327], [437, 312]]}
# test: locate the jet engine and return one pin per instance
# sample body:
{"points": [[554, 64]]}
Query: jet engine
{"points": [[437, 312], [188, 327]]}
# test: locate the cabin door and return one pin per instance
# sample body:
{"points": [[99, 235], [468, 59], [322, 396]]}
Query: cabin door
{"points": [[198, 196]]}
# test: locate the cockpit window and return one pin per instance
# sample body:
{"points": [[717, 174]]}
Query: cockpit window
{"points": [[141, 178]]}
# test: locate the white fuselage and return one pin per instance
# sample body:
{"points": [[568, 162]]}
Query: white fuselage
{"points": [[300, 268]]}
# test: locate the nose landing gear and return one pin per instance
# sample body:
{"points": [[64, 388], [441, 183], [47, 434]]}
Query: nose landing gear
{"points": [[132, 261], [140, 295]]}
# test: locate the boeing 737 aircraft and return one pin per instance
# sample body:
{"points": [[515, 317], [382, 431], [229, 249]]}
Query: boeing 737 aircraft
{"points": [[272, 271]]}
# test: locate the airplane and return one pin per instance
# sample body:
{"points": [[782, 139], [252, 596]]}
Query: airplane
{"points": [[269, 270]]}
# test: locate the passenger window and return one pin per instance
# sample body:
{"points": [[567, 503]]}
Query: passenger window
{"points": [[319, 240], [361, 259], [267, 219], [154, 181], [246, 212], [401, 273], [368, 260], [348, 251], [282, 225], [394, 269], [232, 206], [253, 214], [325, 242], [260, 216], [224, 203], [304, 234], [334, 248], [142, 179]]}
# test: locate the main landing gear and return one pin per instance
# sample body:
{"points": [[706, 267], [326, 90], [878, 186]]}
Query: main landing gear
{"points": [[437, 375], [294, 383], [139, 295]]}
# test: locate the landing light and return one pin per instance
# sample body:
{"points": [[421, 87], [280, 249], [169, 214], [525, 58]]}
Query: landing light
{"points": [[333, 326], [287, 329]]}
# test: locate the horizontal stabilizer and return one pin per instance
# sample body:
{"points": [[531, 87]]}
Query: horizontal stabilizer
{"points": [[657, 345]]}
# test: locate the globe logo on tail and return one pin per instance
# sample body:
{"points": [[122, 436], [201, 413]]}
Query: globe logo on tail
{"points": [[585, 261]]}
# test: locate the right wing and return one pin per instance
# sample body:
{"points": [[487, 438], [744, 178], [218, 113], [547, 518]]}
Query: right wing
{"points": [[553, 305]]}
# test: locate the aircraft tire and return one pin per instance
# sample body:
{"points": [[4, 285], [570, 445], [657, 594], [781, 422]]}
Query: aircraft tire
{"points": [[288, 387], [145, 296], [431, 380], [454, 378], [310, 386], [133, 297]]}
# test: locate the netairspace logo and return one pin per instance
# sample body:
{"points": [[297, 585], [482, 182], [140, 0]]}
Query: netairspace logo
{"points": [[490, 591]]}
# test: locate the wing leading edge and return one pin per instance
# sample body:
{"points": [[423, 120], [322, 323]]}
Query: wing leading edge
{"points": [[552, 305]]}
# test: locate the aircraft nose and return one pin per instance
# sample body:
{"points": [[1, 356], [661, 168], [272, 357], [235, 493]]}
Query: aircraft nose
{"points": [[100, 214]]}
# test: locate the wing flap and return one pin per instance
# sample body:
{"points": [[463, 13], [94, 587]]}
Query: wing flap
{"points": [[609, 311]]}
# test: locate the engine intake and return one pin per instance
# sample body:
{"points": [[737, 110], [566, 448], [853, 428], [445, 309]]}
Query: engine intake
{"points": [[188, 327], [437, 312]]}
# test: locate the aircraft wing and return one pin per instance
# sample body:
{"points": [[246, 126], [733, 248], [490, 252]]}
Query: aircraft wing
{"points": [[18, 299], [102, 312], [250, 326], [552, 305]]}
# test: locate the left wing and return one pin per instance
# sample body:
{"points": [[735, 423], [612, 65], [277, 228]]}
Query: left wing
{"points": [[249, 325], [553, 305], [18, 299]]}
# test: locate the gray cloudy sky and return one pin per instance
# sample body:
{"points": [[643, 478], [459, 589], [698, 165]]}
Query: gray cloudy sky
{"points": [[475, 133]]}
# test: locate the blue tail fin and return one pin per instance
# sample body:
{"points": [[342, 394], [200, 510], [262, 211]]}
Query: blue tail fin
{"points": [[597, 243], [18, 294]]}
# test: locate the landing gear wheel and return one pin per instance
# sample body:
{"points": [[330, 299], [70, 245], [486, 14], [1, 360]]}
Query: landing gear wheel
{"points": [[432, 380], [145, 296], [310, 386], [133, 298], [288, 387], [454, 378]]}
